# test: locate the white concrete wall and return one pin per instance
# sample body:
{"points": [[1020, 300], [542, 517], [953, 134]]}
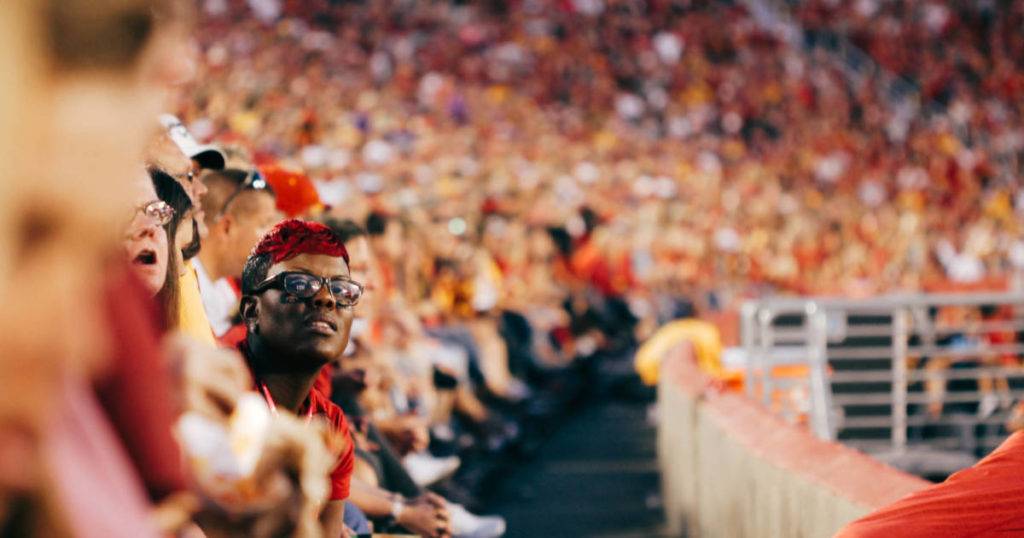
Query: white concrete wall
{"points": [[732, 469]]}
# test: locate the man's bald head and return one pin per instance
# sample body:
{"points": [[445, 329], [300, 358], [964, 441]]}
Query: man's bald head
{"points": [[221, 185], [236, 215]]}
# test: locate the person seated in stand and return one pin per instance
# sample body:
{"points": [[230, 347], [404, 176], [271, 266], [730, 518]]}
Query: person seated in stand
{"points": [[297, 299], [147, 389], [145, 261], [239, 207], [355, 388], [175, 152]]}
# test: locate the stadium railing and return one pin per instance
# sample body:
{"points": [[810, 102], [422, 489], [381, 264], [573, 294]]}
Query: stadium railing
{"points": [[865, 372]]}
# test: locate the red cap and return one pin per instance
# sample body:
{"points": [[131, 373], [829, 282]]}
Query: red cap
{"points": [[294, 191]]}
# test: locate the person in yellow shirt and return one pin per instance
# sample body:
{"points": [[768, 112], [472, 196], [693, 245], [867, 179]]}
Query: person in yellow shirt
{"points": [[192, 319]]}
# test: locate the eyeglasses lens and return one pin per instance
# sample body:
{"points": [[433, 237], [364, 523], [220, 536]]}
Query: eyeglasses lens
{"points": [[304, 286], [345, 292], [160, 212]]}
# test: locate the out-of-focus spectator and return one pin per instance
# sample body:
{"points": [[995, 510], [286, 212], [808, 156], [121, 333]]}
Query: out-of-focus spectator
{"points": [[239, 208]]}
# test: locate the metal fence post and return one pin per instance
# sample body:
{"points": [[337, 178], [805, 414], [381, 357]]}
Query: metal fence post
{"points": [[749, 340], [817, 342], [767, 341], [900, 328]]}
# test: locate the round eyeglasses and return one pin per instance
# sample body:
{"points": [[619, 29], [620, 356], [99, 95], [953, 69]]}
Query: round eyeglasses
{"points": [[158, 210]]}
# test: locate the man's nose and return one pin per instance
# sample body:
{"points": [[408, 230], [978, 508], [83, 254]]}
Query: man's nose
{"points": [[324, 298]]}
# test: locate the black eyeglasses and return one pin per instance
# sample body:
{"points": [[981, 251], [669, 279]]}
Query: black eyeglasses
{"points": [[253, 182], [304, 285]]}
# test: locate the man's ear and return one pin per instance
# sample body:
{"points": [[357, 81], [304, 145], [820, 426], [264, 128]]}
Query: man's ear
{"points": [[249, 310]]}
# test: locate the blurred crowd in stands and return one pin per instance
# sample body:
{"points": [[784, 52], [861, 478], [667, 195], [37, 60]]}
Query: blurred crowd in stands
{"points": [[524, 191], [753, 164]]}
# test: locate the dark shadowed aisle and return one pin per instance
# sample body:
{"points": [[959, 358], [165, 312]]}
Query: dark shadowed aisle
{"points": [[595, 477]]}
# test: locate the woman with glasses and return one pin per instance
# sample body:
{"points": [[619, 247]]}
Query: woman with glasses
{"points": [[161, 206]]}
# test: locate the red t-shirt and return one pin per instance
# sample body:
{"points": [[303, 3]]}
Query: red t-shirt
{"points": [[340, 441], [983, 500], [341, 476], [323, 381]]}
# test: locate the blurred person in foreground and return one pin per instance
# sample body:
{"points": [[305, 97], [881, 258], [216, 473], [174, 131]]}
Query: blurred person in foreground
{"points": [[981, 500], [92, 76], [85, 73]]}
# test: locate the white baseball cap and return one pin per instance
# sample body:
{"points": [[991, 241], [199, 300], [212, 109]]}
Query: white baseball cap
{"points": [[208, 156]]}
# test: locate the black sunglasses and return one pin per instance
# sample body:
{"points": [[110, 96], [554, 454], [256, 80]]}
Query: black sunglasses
{"points": [[304, 286], [253, 182]]}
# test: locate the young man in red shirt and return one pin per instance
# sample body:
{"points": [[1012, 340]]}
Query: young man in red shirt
{"points": [[297, 307]]}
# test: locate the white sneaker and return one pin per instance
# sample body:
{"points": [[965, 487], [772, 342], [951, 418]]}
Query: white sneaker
{"points": [[988, 405], [427, 470], [518, 390], [468, 525], [443, 432]]}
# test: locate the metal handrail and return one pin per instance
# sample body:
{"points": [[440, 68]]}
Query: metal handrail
{"points": [[889, 334], [920, 375], [867, 330], [821, 393], [899, 379]]}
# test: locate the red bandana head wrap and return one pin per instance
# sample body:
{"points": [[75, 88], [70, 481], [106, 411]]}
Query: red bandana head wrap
{"points": [[293, 237]]}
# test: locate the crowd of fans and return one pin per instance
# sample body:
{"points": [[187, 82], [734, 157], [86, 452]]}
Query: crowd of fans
{"points": [[964, 61], [755, 164], [487, 202]]}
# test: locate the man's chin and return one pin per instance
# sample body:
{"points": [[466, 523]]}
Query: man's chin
{"points": [[317, 356], [309, 355]]}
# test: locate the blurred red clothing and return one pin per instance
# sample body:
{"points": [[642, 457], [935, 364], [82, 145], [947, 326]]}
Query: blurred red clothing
{"points": [[983, 500], [590, 264], [136, 392], [94, 484], [234, 336]]}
